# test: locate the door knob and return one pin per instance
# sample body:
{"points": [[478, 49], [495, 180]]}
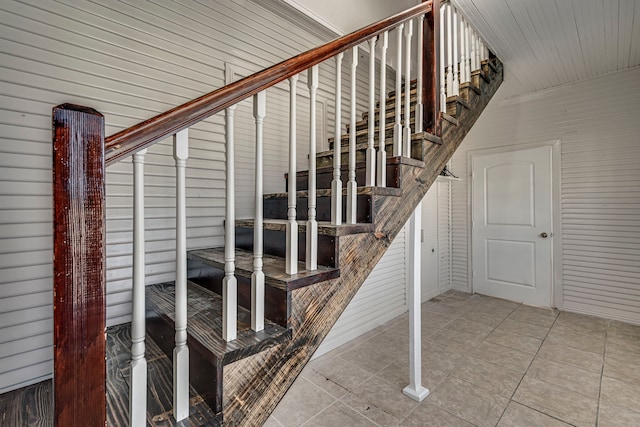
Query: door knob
{"points": [[544, 235]]}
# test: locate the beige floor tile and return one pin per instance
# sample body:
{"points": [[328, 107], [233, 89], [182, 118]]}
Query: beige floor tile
{"points": [[479, 330], [490, 319], [518, 415], [272, 422], [617, 328], [596, 331], [583, 321], [558, 402], [334, 389], [523, 328], [566, 376], [459, 342], [586, 360], [475, 405], [627, 370], [614, 416], [516, 341], [495, 378], [303, 401], [565, 336], [504, 356], [619, 393], [497, 302], [371, 357], [397, 373], [538, 316], [427, 414], [626, 343], [384, 397], [438, 358], [337, 371], [339, 414]]}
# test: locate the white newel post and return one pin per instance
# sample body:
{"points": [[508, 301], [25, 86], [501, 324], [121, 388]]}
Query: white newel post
{"points": [[415, 390], [291, 266], [181, 351], [455, 90], [382, 152], [311, 261], [230, 282], [352, 186], [138, 384], [419, 107], [336, 183], [443, 94], [406, 144], [257, 277], [371, 149], [449, 54], [397, 127]]}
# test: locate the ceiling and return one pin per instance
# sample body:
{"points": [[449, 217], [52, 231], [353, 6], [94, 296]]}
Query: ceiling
{"points": [[543, 43], [547, 43]]}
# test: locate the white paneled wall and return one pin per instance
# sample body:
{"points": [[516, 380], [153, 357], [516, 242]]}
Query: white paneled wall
{"points": [[129, 61], [597, 123]]}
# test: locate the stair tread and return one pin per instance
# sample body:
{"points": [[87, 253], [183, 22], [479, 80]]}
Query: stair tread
{"points": [[324, 227], [273, 267], [374, 191], [365, 132], [364, 145], [204, 324]]}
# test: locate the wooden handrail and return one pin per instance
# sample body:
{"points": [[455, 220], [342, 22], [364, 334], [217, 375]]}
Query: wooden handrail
{"points": [[144, 134]]}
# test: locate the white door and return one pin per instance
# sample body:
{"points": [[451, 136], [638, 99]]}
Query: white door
{"points": [[511, 225], [429, 265]]}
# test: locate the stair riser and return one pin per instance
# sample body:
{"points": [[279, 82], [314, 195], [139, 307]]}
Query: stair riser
{"points": [[326, 161], [324, 177], [364, 138], [275, 244], [277, 302], [276, 208], [364, 124]]}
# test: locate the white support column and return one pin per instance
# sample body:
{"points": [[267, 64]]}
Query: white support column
{"points": [[230, 282], [415, 390], [467, 51], [419, 107], [352, 186], [443, 94], [181, 351], [406, 144], [455, 90], [449, 52], [138, 381], [397, 127], [291, 263], [257, 277], [382, 153], [371, 149], [312, 224], [336, 183]]}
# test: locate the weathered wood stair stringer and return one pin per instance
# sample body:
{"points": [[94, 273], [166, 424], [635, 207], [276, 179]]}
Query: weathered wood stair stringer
{"points": [[256, 384]]}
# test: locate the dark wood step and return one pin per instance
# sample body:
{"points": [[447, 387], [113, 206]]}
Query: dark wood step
{"points": [[208, 352], [363, 134], [414, 86], [455, 104], [390, 117], [324, 175], [206, 268]]}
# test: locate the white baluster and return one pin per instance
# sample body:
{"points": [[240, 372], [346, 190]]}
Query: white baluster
{"points": [[419, 115], [371, 149], [291, 264], [138, 382], [483, 51], [474, 50], [230, 282], [486, 51], [443, 94], [382, 153], [456, 58], [312, 224], [336, 183], [397, 128], [406, 145], [463, 56], [181, 351], [352, 187], [257, 277], [467, 50], [449, 52]]}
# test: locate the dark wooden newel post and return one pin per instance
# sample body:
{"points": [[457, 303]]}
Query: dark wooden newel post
{"points": [[431, 70], [79, 267]]}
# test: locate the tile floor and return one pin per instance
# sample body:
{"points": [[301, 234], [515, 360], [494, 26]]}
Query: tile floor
{"points": [[486, 361]]}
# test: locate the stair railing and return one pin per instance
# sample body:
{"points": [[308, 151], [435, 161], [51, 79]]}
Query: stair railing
{"points": [[81, 153]]}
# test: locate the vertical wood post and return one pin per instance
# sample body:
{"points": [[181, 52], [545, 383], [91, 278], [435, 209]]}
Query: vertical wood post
{"points": [[431, 70], [291, 258], [336, 183], [397, 127], [230, 281], [79, 279], [370, 179], [406, 135], [352, 186], [311, 261], [257, 277], [382, 153]]}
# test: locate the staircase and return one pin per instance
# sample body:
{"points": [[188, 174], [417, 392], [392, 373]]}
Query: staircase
{"points": [[240, 381]]}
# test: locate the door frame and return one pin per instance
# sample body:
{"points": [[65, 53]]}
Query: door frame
{"points": [[556, 211]]}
